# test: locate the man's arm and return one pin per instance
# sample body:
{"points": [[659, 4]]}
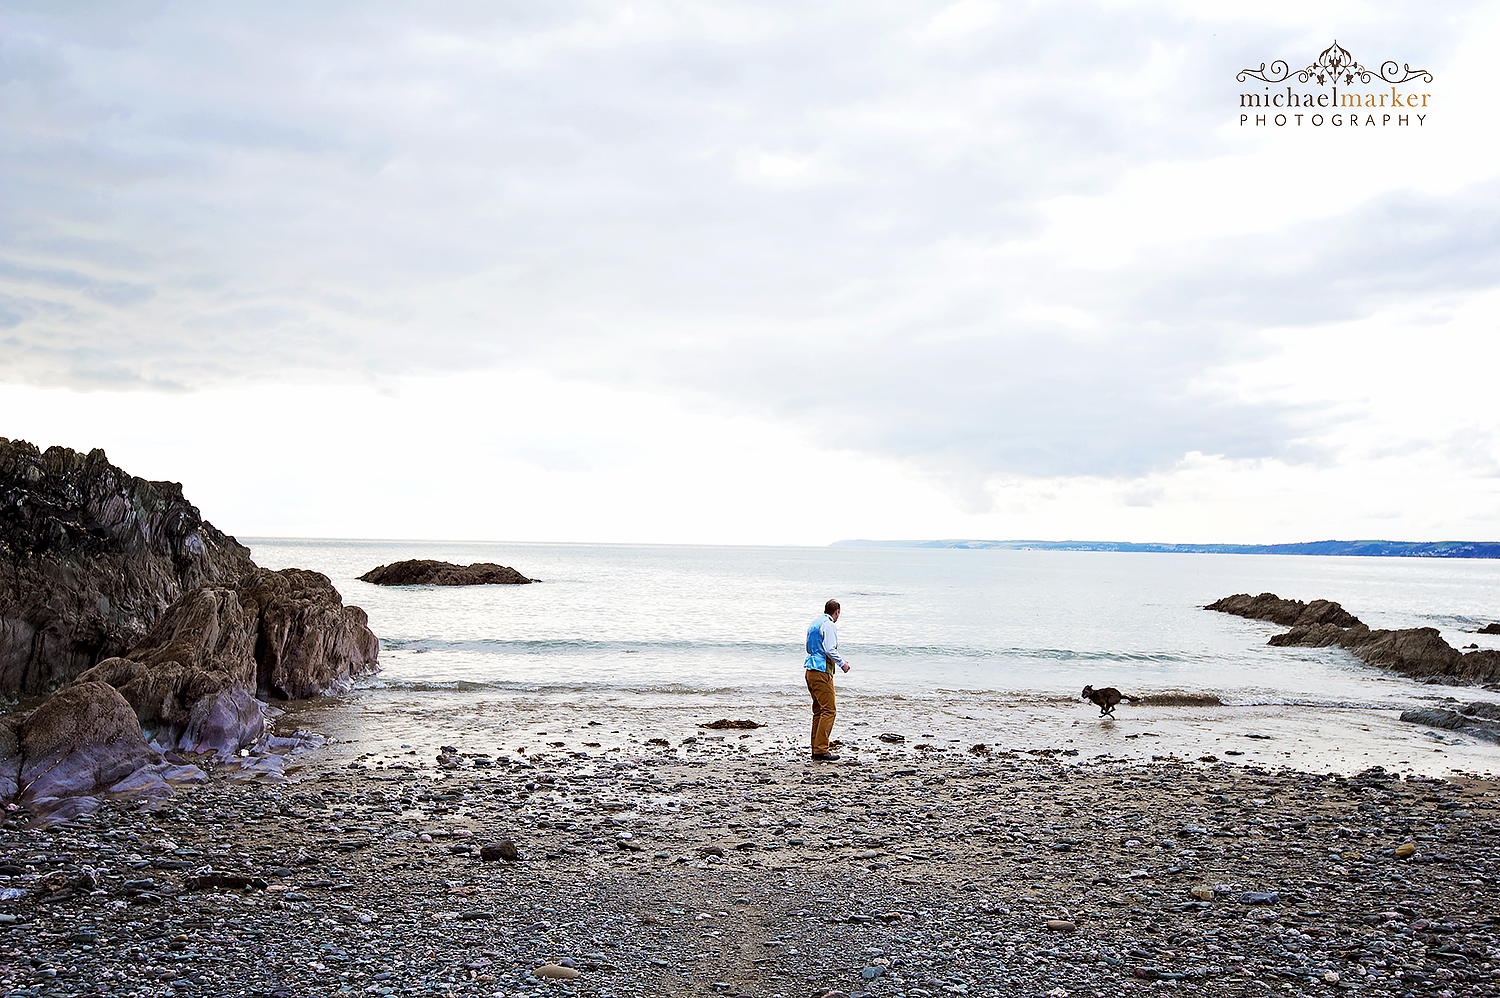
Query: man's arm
{"points": [[831, 644]]}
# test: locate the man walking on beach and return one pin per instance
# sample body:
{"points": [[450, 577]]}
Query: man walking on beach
{"points": [[822, 657]]}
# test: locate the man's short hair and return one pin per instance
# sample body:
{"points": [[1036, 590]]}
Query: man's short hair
{"points": [[831, 607]]}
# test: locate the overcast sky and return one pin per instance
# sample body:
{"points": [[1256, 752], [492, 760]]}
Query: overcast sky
{"points": [[754, 272]]}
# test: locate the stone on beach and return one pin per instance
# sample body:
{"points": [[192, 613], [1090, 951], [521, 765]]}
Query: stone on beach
{"points": [[554, 972], [499, 849]]}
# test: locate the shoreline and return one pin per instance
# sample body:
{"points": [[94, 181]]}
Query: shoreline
{"points": [[721, 872], [1311, 738]]}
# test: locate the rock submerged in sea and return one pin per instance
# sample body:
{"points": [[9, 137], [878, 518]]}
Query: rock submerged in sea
{"points": [[94, 556], [1286, 612], [425, 572], [1478, 720], [1414, 651]]}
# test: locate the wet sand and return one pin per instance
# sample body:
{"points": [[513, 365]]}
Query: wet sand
{"points": [[1307, 738]]}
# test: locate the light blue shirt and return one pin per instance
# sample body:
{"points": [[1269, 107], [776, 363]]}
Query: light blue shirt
{"points": [[822, 644]]}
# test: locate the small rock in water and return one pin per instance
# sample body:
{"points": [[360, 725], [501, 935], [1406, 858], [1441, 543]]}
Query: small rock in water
{"points": [[893, 738]]}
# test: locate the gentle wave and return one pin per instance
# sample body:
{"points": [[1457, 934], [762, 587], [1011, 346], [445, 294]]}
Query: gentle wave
{"points": [[520, 686], [1228, 700], [545, 646]]}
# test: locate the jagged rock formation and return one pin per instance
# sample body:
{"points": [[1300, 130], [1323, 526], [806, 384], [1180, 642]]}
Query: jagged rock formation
{"points": [[199, 678], [1479, 720], [96, 564], [424, 572], [1415, 651], [90, 557], [1286, 612]]}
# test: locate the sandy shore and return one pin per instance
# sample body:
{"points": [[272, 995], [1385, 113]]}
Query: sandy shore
{"points": [[732, 865]]}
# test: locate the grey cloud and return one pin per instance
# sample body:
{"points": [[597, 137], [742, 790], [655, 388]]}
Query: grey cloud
{"points": [[1392, 249], [95, 289], [718, 200]]}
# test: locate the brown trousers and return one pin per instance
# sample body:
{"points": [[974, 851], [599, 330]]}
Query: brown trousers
{"points": [[820, 685]]}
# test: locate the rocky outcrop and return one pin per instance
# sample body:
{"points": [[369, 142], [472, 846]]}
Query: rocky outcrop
{"points": [[1286, 612], [1489, 629], [199, 679], [422, 572], [1479, 720], [90, 557], [174, 641], [1415, 651]]}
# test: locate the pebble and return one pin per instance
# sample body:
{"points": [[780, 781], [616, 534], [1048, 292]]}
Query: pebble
{"points": [[554, 972], [499, 849]]}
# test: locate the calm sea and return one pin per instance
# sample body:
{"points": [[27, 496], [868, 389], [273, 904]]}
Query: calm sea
{"points": [[721, 628]]}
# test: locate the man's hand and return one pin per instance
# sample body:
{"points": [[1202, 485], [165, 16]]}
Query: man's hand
{"points": [[845, 667]]}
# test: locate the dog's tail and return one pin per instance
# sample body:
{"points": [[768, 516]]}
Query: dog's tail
{"points": [[1132, 699]]}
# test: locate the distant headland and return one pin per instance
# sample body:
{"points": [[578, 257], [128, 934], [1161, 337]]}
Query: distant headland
{"points": [[1361, 549]]}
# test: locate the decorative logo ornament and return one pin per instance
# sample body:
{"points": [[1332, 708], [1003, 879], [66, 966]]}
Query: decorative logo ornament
{"points": [[1335, 66]]}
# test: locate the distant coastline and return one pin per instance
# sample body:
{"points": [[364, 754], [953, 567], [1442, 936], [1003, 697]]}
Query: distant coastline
{"points": [[1360, 549]]}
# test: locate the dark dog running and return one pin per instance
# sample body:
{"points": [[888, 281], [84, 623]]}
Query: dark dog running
{"points": [[1106, 698]]}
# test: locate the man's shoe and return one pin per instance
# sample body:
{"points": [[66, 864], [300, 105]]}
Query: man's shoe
{"points": [[826, 756]]}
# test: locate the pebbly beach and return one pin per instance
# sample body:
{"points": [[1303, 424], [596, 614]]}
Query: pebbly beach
{"points": [[700, 868]]}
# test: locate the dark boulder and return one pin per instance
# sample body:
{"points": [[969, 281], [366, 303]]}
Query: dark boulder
{"points": [[198, 679], [90, 557], [1489, 629], [423, 572], [1286, 612], [1414, 651], [499, 849]]}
